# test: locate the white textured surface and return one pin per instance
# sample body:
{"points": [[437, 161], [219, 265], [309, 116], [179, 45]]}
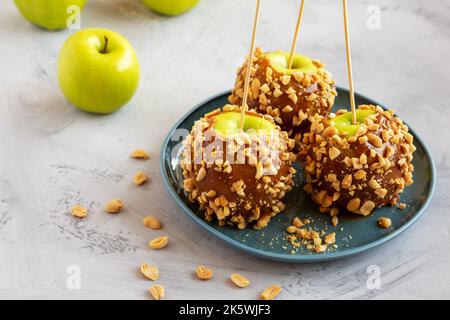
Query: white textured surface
{"points": [[53, 156]]}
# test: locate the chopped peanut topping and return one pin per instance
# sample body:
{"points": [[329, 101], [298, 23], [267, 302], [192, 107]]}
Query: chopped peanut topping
{"points": [[335, 221], [367, 207], [201, 174], [353, 205], [291, 229], [330, 238], [297, 222], [375, 140], [334, 153], [321, 248], [402, 206]]}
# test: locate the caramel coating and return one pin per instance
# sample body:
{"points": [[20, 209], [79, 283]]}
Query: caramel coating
{"points": [[291, 99], [237, 192], [362, 172]]}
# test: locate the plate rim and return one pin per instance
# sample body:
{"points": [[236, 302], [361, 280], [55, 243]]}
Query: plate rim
{"points": [[297, 258]]}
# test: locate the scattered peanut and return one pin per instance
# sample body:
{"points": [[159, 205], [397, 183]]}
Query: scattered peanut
{"points": [[239, 280], [320, 248], [79, 211], [330, 238], [159, 242], [291, 229], [335, 221], [157, 291], [384, 222], [114, 206], [140, 154], [151, 272], [152, 223], [271, 292], [402, 206], [204, 273], [297, 222], [140, 178]]}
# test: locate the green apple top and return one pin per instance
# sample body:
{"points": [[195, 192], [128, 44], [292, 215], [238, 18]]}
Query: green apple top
{"points": [[98, 70], [343, 122], [170, 7], [279, 61], [50, 14], [227, 123]]}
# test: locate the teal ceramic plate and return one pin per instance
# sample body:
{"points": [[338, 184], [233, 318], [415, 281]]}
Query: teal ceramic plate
{"points": [[353, 235]]}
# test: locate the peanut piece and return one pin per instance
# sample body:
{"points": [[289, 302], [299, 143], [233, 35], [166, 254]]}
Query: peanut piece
{"points": [[140, 178], [384, 222], [140, 154], [79, 211], [239, 280], [159, 242], [157, 291], [114, 206], [204, 273], [271, 292], [152, 223], [151, 272]]}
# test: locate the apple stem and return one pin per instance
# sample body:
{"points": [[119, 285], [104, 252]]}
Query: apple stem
{"points": [[249, 65], [105, 47], [349, 63], [297, 29]]}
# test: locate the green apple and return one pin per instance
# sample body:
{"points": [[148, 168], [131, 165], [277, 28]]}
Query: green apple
{"points": [[98, 70], [279, 60], [344, 123], [228, 123], [49, 14], [170, 7]]}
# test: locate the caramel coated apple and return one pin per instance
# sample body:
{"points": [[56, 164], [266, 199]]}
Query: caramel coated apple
{"points": [[238, 177], [357, 167], [292, 96]]}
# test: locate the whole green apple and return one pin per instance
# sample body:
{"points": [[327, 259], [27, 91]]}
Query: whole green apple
{"points": [[98, 70], [170, 7], [49, 14]]}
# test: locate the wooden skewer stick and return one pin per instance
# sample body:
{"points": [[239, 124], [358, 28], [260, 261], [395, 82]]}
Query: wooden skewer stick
{"points": [[349, 63], [249, 65], [297, 29]]}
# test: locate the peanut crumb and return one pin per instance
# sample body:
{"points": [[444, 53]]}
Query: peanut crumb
{"points": [[402, 206], [384, 222]]}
